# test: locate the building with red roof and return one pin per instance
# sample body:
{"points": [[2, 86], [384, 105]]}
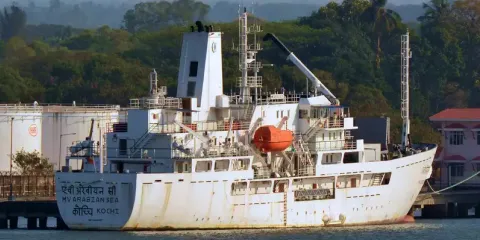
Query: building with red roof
{"points": [[458, 157]]}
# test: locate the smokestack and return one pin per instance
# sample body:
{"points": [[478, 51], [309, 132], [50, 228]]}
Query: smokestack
{"points": [[200, 26]]}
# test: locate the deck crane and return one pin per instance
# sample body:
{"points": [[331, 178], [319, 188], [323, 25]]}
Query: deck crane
{"points": [[87, 144], [291, 56]]}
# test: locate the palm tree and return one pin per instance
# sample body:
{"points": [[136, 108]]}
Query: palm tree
{"points": [[384, 20], [434, 10]]}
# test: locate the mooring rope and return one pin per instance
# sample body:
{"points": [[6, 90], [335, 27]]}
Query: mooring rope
{"points": [[449, 187]]}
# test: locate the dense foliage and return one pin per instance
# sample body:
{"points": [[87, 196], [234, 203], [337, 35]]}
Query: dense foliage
{"points": [[32, 163], [353, 47]]}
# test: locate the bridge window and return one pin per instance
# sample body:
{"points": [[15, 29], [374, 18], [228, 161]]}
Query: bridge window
{"points": [[349, 181], [221, 165], [191, 89], [203, 166], [240, 164], [193, 69], [239, 188], [280, 186], [260, 187], [303, 114], [351, 157]]}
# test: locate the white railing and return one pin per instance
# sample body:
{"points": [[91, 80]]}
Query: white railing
{"points": [[140, 153], [54, 107], [210, 152], [332, 145], [201, 126], [278, 99], [327, 123], [159, 103], [254, 82]]}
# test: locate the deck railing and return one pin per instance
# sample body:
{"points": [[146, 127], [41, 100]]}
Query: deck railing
{"points": [[332, 145]]}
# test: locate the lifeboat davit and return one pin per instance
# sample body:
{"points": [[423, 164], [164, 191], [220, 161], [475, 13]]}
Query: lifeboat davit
{"points": [[271, 139]]}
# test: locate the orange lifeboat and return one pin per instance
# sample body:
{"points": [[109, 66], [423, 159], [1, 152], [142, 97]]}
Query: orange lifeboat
{"points": [[271, 139]]}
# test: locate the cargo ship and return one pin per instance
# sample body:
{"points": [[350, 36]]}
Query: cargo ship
{"points": [[206, 160]]}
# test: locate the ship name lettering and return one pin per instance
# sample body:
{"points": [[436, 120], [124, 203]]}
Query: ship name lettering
{"points": [[90, 199], [111, 211], [82, 190], [82, 211]]}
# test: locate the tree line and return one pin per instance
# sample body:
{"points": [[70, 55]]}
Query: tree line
{"points": [[353, 47]]}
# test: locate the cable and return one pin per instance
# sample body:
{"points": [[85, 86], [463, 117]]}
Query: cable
{"points": [[456, 184]]}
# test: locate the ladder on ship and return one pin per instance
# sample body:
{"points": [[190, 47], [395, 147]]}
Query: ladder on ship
{"points": [[313, 130], [304, 152], [377, 179], [143, 141]]}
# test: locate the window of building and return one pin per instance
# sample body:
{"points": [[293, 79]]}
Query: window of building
{"points": [[456, 169], [193, 69], [456, 138], [191, 89]]}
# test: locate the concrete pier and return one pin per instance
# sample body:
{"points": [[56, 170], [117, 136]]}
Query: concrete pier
{"points": [[450, 204], [36, 213]]}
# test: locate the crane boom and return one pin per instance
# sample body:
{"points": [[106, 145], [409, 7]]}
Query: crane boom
{"points": [[291, 56]]}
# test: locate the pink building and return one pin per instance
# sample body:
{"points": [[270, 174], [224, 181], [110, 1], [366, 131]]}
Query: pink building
{"points": [[458, 156]]}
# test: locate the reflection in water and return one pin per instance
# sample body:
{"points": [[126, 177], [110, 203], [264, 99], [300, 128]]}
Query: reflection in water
{"points": [[422, 229]]}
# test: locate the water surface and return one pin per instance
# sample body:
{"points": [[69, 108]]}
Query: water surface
{"points": [[422, 229]]}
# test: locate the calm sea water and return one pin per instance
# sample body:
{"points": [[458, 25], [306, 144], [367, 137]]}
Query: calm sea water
{"points": [[422, 229]]}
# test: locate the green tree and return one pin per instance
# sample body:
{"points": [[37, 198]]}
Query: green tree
{"points": [[153, 16], [12, 22], [32, 163], [384, 21]]}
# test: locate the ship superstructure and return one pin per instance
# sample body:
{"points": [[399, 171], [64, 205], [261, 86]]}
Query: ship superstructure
{"points": [[205, 160]]}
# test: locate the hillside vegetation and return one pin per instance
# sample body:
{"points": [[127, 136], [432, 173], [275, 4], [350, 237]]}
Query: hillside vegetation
{"points": [[353, 47]]}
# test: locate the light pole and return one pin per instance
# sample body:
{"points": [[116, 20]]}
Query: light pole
{"points": [[60, 150], [10, 196]]}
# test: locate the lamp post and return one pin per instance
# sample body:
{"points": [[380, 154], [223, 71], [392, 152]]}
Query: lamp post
{"points": [[60, 150], [10, 196]]}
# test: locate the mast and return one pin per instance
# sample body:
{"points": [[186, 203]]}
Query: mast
{"points": [[406, 54], [248, 59]]}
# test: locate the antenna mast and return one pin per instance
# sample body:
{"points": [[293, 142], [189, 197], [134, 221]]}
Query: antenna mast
{"points": [[406, 54], [248, 59]]}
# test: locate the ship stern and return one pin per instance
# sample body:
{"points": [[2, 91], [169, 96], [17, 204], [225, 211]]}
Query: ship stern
{"points": [[94, 201]]}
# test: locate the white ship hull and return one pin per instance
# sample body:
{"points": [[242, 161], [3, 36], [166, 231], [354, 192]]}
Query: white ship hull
{"points": [[205, 200]]}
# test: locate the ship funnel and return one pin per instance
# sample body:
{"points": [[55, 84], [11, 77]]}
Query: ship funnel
{"points": [[200, 26]]}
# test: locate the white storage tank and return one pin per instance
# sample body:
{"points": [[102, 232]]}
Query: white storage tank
{"points": [[26, 129], [64, 125]]}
